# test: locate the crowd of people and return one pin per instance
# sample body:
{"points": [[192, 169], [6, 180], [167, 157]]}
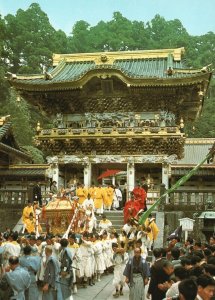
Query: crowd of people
{"points": [[36, 263], [57, 267], [106, 197], [86, 205], [183, 271]]}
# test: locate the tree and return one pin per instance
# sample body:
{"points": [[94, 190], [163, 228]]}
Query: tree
{"points": [[204, 126], [80, 37], [20, 117], [28, 40], [3, 67], [31, 40], [36, 154]]}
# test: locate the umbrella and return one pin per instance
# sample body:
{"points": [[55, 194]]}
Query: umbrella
{"points": [[108, 173]]}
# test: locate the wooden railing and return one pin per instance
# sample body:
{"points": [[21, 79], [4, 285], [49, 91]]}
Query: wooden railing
{"points": [[145, 130], [193, 200], [13, 197]]}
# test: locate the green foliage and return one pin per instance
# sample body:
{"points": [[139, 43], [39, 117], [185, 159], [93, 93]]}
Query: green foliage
{"points": [[20, 117], [204, 125], [36, 154], [31, 40], [28, 40]]}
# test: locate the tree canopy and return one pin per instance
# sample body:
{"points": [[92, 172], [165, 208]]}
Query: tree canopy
{"points": [[28, 40]]}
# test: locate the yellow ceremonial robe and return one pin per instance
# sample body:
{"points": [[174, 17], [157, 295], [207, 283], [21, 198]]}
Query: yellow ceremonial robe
{"points": [[26, 213], [108, 200], [82, 194], [30, 225], [92, 191], [99, 198], [154, 229]]}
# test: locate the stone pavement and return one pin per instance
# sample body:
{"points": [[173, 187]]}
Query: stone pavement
{"points": [[102, 290]]}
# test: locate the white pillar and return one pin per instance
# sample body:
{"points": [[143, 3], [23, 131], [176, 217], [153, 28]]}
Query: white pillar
{"points": [[55, 172], [113, 180], [165, 177], [130, 176], [87, 174]]}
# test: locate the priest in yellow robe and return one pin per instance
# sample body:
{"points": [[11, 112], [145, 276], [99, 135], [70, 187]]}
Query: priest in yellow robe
{"points": [[27, 211], [108, 200], [99, 200], [81, 193], [152, 229], [30, 224], [92, 191]]}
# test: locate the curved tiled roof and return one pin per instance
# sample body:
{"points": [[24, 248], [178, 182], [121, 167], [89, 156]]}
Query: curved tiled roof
{"points": [[162, 67], [8, 149], [4, 129], [142, 68], [14, 148], [131, 68], [23, 172]]}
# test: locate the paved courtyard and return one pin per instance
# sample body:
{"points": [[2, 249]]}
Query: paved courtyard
{"points": [[102, 290]]}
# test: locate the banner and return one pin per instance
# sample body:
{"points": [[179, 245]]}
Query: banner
{"points": [[176, 185]]}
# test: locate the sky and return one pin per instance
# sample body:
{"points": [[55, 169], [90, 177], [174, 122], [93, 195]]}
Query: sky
{"points": [[197, 16]]}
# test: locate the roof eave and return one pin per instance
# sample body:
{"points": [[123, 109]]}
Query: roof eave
{"points": [[9, 150], [129, 81]]}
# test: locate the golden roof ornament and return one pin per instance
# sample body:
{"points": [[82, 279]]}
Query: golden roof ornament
{"points": [[38, 127], [182, 125], [104, 58]]}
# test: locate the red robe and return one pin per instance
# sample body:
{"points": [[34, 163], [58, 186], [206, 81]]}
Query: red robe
{"points": [[131, 209], [140, 196]]}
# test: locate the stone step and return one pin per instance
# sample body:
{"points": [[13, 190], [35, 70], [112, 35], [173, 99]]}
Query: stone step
{"points": [[116, 218]]}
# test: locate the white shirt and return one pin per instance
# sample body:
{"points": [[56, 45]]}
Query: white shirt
{"points": [[173, 290], [12, 249], [117, 194], [88, 203], [126, 228], [105, 224]]}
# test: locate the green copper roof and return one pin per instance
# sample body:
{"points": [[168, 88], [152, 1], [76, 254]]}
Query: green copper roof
{"points": [[131, 68], [13, 148], [13, 151], [23, 172], [4, 129], [143, 68]]}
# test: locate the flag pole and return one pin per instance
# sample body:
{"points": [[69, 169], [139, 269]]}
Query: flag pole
{"points": [[181, 181]]}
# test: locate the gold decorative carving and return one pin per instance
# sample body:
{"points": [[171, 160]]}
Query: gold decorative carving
{"points": [[104, 58], [112, 56]]}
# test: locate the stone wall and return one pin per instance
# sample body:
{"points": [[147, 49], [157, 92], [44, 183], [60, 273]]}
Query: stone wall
{"points": [[172, 222]]}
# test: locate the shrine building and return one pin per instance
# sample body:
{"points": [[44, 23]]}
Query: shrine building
{"points": [[121, 111]]}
